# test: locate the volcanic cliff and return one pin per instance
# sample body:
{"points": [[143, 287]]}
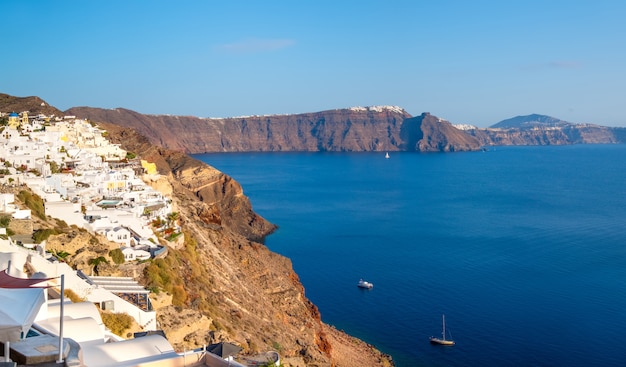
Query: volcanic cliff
{"points": [[244, 293], [357, 129]]}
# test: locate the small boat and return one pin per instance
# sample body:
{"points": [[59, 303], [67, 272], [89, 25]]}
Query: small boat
{"points": [[443, 340], [387, 155], [363, 284]]}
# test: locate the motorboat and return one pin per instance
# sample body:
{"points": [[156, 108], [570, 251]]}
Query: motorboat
{"points": [[363, 284]]}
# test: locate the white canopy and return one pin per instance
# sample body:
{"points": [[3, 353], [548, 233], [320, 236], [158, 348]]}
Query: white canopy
{"points": [[18, 311], [131, 352]]}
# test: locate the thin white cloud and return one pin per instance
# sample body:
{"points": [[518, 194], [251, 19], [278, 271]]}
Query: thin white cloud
{"points": [[255, 45]]}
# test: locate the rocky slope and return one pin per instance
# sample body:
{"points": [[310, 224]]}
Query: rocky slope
{"points": [[234, 285], [382, 128], [34, 105]]}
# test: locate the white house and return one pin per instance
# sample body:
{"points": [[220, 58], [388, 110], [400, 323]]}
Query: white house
{"points": [[21, 214], [7, 203], [131, 254], [119, 235]]}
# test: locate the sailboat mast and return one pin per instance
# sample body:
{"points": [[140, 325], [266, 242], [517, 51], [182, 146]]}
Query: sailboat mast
{"points": [[443, 319]]}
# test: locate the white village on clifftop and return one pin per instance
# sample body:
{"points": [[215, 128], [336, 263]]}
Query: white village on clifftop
{"points": [[86, 182]]}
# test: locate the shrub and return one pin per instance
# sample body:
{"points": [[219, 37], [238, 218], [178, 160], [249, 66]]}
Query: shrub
{"points": [[179, 295], [158, 274], [41, 235], [33, 202], [54, 167], [61, 225], [117, 322], [61, 254], [97, 261], [117, 255], [5, 220]]}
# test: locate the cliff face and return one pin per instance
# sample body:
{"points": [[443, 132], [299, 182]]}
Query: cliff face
{"points": [[564, 135], [427, 133], [237, 290], [355, 129]]}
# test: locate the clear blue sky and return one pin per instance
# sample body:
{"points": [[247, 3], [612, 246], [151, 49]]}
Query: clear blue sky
{"points": [[475, 62]]}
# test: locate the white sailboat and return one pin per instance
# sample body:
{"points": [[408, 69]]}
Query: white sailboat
{"points": [[443, 340], [387, 155]]}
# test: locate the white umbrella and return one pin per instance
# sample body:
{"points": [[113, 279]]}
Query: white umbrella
{"points": [[20, 306]]}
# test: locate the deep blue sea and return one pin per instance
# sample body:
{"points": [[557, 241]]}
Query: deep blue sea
{"points": [[522, 248]]}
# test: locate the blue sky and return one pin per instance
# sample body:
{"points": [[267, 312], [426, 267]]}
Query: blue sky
{"points": [[475, 62]]}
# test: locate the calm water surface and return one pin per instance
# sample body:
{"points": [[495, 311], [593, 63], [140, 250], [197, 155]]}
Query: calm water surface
{"points": [[522, 248]]}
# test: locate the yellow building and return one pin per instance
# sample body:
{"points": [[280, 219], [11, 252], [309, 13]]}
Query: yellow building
{"points": [[14, 120], [149, 167]]}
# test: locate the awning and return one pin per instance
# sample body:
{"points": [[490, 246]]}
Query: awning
{"points": [[19, 309], [8, 281]]}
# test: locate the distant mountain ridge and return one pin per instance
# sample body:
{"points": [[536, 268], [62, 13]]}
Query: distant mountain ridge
{"points": [[538, 129], [356, 129], [530, 121]]}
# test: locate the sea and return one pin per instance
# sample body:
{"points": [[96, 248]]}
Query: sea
{"points": [[523, 249]]}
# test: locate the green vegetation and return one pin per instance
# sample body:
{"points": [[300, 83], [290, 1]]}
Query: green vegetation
{"points": [[164, 274], [61, 255], [33, 202], [276, 346], [270, 364], [95, 262], [41, 235], [159, 275], [5, 220], [117, 322], [131, 155], [54, 167], [117, 255], [173, 236], [61, 225], [179, 295]]}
